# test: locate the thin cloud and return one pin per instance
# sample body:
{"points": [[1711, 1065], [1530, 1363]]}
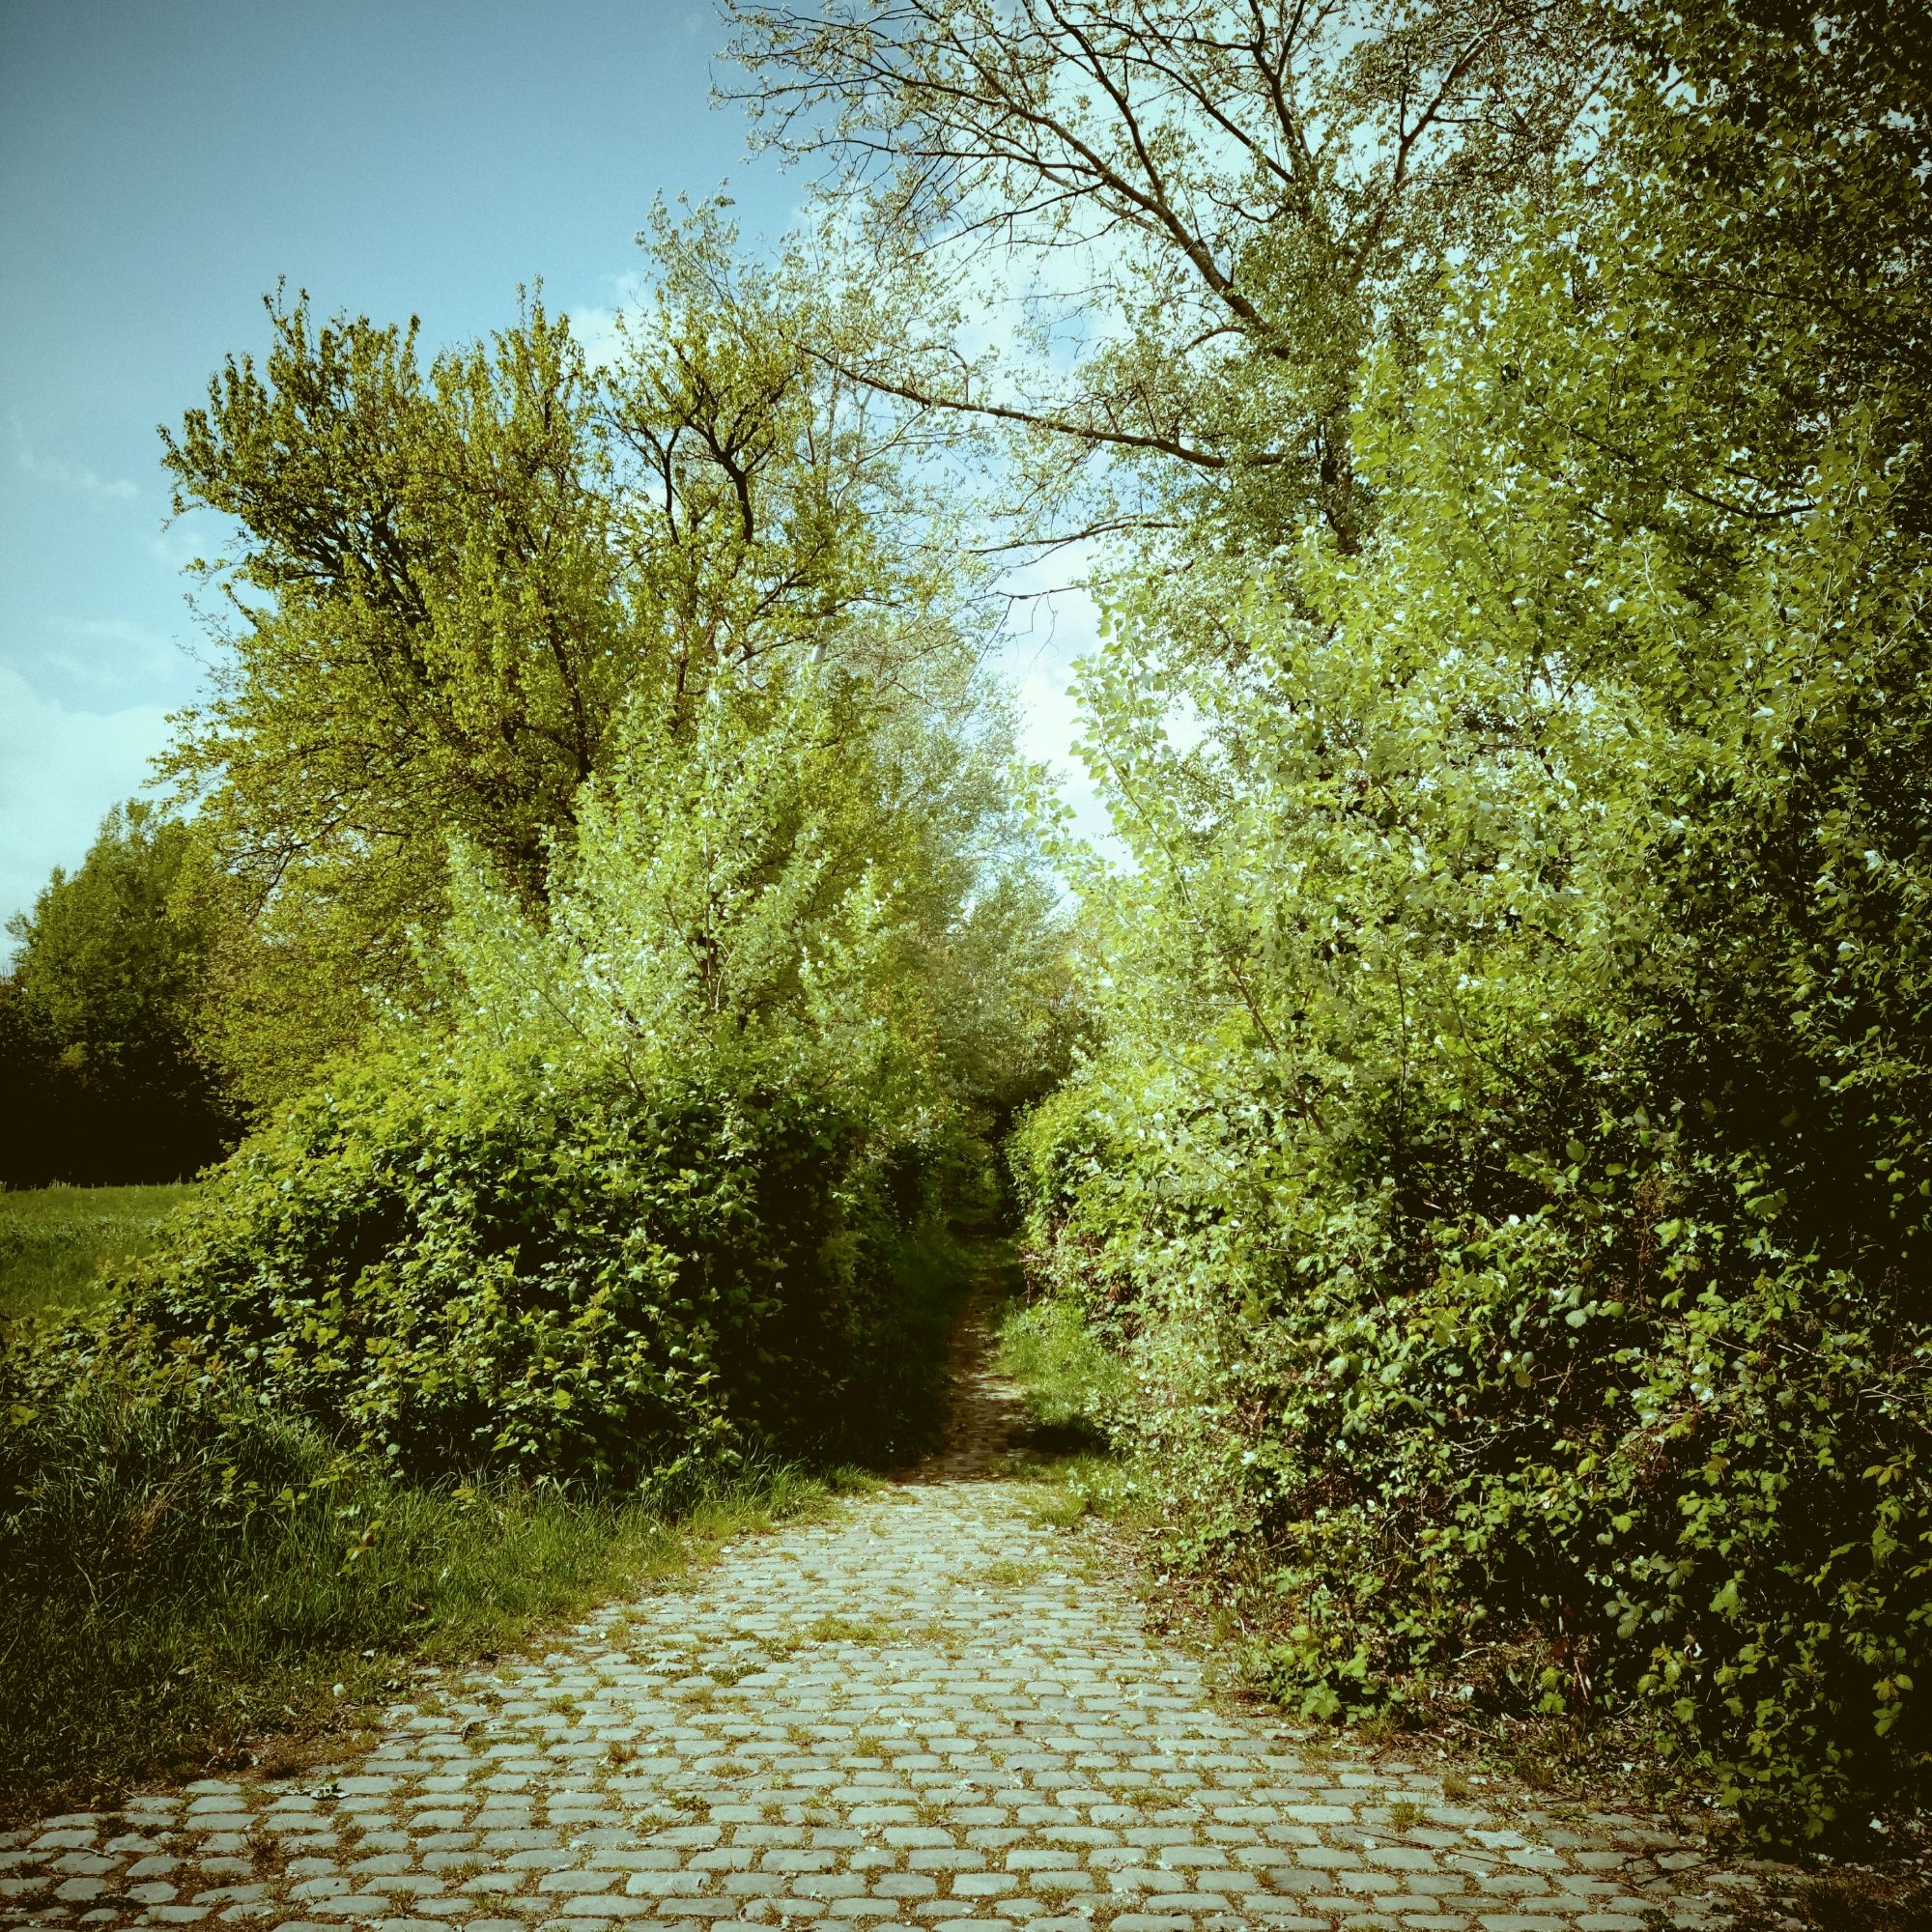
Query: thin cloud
{"points": [[597, 329], [111, 631], [66, 475], [59, 771], [108, 653]]}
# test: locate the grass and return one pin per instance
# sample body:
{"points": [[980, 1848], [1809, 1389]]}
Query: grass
{"points": [[53, 1241], [1845, 1901], [1072, 1387], [1010, 1574], [176, 1597]]}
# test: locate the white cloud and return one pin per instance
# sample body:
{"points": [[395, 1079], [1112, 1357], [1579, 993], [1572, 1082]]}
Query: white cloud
{"points": [[1059, 628], [59, 771], [106, 652], [597, 328], [66, 475]]}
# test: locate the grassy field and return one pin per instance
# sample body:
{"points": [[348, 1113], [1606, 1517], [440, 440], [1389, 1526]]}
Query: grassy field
{"points": [[54, 1239]]}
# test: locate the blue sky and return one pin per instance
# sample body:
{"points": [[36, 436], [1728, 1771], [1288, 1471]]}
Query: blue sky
{"points": [[163, 164]]}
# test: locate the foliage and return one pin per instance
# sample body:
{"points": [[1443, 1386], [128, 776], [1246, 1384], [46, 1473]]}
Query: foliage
{"points": [[454, 1271], [1804, 135], [646, 1199], [665, 1189], [1074, 1386], [56, 1242], [607, 778], [105, 1080], [1193, 220], [451, 584], [1503, 1172]]}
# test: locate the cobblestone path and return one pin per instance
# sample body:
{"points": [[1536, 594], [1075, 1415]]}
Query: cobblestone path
{"points": [[925, 1711]]}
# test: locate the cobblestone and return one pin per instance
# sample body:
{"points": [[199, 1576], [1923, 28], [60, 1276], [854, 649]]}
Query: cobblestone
{"points": [[925, 1711]]}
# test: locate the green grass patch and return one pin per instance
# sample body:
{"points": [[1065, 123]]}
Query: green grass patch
{"points": [[1073, 1386], [55, 1240], [1010, 1574], [177, 1595]]}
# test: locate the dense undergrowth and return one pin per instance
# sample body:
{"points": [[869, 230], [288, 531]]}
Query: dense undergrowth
{"points": [[195, 1586], [1503, 1178]]}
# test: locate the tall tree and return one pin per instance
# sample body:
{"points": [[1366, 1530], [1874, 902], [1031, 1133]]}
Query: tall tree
{"points": [[1220, 207], [450, 582], [1802, 139]]}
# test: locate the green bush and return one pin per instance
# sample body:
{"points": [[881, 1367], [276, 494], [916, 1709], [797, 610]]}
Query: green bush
{"points": [[454, 1269], [1622, 1455], [1503, 1170]]}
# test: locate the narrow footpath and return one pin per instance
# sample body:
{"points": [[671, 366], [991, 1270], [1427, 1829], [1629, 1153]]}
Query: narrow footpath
{"points": [[924, 1710]]}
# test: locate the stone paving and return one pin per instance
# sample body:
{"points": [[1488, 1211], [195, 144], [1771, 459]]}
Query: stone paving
{"points": [[925, 1710]]}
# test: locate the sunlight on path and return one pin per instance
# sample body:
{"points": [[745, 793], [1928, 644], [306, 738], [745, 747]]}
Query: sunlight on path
{"points": [[923, 1711]]}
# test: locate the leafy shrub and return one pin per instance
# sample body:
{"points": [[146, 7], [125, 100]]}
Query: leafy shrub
{"points": [[1503, 1170], [1614, 1454], [454, 1271]]}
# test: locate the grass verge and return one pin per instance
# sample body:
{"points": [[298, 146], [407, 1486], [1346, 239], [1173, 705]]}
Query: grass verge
{"points": [[1074, 1389], [171, 1633], [55, 1240], [189, 1581]]}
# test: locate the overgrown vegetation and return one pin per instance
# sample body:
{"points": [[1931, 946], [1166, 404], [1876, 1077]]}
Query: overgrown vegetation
{"points": [[197, 1584], [1504, 1174], [637, 1177], [192, 1579], [1500, 1170], [1474, 1152]]}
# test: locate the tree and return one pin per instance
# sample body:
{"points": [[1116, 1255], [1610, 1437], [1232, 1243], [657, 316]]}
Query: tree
{"points": [[1223, 207], [1503, 1158], [97, 1015], [450, 584], [1802, 139]]}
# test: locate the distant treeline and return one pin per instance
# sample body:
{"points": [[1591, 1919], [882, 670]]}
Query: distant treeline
{"points": [[100, 1078]]}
